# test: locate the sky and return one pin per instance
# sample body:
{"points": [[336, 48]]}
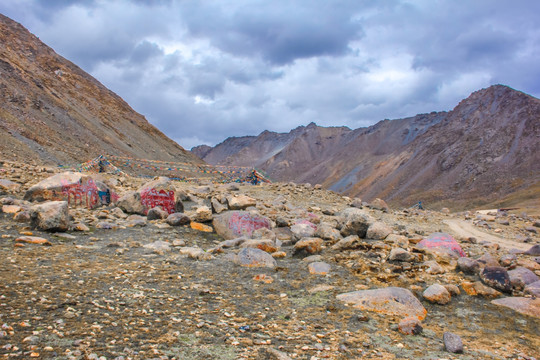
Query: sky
{"points": [[203, 70]]}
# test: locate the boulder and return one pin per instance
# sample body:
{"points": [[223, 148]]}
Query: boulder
{"points": [[350, 242], [436, 240], [534, 250], [327, 232], [130, 203], [533, 289], [158, 192], [478, 289], [217, 206], [521, 277], [263, 244], [452, 343], [50, 216], [76, 188], [354, 221], [496, 277], [379, 204], [308, 246], [319, 268], [8, 185], [157, 213], [399, 254], [203, 214], [240, 202], [177, 219], [234, 224], [390, 301], [250, 257], [438, 294], [300, 231], [523, 305], [410, 326], [468, 265], [398, 240], [378, 231]]}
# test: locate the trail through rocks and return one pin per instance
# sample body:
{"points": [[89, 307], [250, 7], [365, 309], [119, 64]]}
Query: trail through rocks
{"points": [[464, 229]]}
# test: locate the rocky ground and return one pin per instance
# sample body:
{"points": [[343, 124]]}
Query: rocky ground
{"points": [[121, 286]]}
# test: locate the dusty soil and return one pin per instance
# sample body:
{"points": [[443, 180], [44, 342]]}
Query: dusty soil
{"points": [[102, 295]]}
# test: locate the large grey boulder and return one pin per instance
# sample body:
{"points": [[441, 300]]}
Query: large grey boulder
{"points": [[50, 216], [354, 221]]}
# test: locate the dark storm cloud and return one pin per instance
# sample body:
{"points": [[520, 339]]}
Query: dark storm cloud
{"points": [[279, 32]]}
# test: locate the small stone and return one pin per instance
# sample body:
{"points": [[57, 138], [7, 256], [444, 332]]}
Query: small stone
{"points": [[240, 202], [438, 294], [497, 277], [477, 288], [157, 213], [308, 245], [520, 277], [250, 257], [452, 343], [434, 268], [177, 219], [378, 231], [399, 254], [410, 326], [468, 265], [319, 268]]}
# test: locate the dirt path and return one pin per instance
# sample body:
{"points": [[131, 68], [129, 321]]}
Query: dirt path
{"points": [[463, 228]]}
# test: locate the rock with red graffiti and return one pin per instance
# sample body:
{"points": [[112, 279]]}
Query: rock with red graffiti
{"points": [[156, 193], [234, 224], [76, 188]]}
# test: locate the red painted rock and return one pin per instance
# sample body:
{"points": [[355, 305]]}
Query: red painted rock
{"points": [[441, 240], [156, 193], [391, 301], [76, 188], [234, 224]]}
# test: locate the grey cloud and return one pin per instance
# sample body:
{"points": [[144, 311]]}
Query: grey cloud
{"points": [[279, 32]]}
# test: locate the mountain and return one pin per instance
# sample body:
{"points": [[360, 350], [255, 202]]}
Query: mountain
{"points": [[485, 150], [53, 112]]}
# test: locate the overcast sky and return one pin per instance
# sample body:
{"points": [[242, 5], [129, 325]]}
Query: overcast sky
{"points": [[202, 71]]}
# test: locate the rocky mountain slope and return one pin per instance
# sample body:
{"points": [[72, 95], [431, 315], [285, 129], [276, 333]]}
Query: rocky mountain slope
{"points": [[53, 112], [486, 150]]}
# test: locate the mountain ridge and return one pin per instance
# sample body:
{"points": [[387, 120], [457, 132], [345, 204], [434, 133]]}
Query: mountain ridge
{"points": [[483, 150], [54, 113]]}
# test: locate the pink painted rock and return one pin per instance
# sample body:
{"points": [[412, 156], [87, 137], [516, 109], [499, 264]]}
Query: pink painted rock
{"points": [[234, 224], [523, 305], [390, 301], [441, 240]]}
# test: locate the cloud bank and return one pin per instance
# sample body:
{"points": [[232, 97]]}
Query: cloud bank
{"points": [[202, 71]]}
